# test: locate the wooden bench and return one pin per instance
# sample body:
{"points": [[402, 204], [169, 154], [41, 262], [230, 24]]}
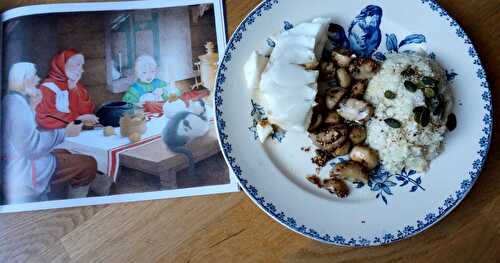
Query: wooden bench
{"points": [[157, 160]]}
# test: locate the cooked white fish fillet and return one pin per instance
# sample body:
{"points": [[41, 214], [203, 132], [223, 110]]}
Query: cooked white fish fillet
{"points": [[286, 74], [253, 69], [294, 49], [292, 107], [285, 88], [316, 29]]}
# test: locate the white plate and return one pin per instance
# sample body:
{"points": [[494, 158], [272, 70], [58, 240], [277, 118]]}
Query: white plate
{"points": [[392, 207]]}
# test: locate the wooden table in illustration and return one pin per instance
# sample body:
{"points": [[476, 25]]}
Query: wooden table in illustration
{"points": [[149, 155]]}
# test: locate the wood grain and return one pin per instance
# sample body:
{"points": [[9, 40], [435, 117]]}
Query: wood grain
{"points": [[230, 228]]}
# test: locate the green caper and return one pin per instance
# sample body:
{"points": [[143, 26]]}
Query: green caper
{"points": [[425, 119], [429, 92], [410, 86], [428, 81], [422, 115], [451, 122], [393, 123], [428, 102], [418, 109], [438, 110], [408, 72], [389, 94], [439, 106]]}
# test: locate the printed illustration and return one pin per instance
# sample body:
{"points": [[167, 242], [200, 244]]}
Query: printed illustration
{"points": [[33, 166], [123, 105], [188, 121]]}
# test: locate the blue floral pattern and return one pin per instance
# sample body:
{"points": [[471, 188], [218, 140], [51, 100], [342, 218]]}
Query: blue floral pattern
{"points": [[381, 181], [405, 178], [392, 41], [287, 26], [392, 46], [364, 32], [429, 219], [259, 114], [451, 75], [364, 35]]}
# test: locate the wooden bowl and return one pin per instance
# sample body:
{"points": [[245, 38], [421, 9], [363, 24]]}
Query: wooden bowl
{"points": [[88, 125]]}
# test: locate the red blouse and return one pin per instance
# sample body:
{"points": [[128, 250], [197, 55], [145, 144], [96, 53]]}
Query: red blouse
{"points": [[79, 100]]}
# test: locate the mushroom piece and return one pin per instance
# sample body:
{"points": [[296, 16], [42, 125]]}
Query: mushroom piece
{"points": [[327, 70], [333, 83], [322, 158], [316, 120], [334, 96], [358, 89], [350, 171], [355, 110], [365, 155], [344, 149], [358, 134], [343, 59], [333, 118], [343, 77], [331, 137], [337, 187], [363, 68], [322, 88], [314, 179]]}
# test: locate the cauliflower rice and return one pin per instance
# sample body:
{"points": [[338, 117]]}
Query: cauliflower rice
{"points": [[411, 146]]}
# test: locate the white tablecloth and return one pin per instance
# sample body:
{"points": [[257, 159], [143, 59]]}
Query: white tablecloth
{"points": [[106, 150], [95, 144]]}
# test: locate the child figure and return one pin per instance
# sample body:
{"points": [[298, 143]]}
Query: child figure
{"points": [[148, 87]]}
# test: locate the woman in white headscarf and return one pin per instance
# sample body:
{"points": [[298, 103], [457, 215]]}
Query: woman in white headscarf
{"points": [[30, 162]]}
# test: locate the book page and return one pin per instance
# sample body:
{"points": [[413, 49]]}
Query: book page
{"points": [[116, 103]]}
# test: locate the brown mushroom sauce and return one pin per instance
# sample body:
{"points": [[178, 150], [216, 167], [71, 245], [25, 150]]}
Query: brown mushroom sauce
{"points": [[338, 121]]}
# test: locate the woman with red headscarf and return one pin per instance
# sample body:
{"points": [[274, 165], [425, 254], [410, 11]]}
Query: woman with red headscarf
{"points": [[64, 97]]}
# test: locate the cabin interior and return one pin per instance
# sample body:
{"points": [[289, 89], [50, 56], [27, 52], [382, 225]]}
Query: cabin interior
{"points": [[110, 42]]}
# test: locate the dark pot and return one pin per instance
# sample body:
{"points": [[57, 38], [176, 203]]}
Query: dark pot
{"points": [[110, 112]]}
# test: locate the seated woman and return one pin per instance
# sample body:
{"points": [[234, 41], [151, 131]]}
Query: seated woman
{"points": [[148, 87], [31, 165], [64, 97]]}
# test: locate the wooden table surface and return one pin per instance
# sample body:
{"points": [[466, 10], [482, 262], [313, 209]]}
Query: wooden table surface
{"points": [[230, 228]]}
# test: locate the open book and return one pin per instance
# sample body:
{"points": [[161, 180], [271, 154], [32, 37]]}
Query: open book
{"points": [[110, 102]]}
